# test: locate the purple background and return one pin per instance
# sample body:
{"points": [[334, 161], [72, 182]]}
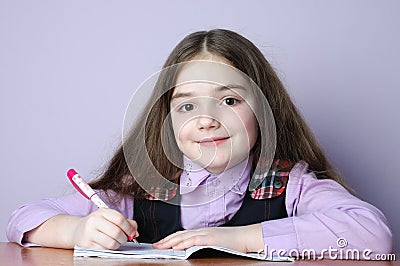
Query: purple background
{"points": [[68, 69]]}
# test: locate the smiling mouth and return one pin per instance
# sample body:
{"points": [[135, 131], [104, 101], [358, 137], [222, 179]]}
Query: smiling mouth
{"points": [[213, 141]]}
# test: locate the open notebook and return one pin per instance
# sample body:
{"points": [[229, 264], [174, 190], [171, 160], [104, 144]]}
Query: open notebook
{"points": [[145, 251]]}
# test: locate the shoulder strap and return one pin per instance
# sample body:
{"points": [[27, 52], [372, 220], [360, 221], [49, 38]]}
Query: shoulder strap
{"points": [[157, 193]]}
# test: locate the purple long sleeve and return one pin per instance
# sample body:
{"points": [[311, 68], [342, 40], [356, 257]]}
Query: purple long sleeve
{"points": [[322, 211], [31, 215]]}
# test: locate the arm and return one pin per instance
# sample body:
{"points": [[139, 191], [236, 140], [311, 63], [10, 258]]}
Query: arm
{"points": [[38, 222], [103, 229], [241, 238], [322, 211]]}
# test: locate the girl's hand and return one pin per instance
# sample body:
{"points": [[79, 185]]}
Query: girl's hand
{"points": [[240, 238], [103, 229]]}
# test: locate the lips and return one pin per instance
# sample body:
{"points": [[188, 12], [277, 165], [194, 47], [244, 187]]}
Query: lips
{"points": [[213, 140]]}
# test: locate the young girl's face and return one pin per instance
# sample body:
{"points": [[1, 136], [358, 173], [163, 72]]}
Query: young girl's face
{"points": [[212, 114]]}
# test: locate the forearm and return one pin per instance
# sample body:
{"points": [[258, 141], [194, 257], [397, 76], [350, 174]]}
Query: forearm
{"points": [[320, 230], [320, 212], [57, 232], [241, 238], [29, 217]]}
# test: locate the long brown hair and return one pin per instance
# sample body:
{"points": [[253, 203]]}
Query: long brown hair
{"points": [[294, 139]]}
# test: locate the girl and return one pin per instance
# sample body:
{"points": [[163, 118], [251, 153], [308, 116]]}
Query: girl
{"points": [[202, 167]]}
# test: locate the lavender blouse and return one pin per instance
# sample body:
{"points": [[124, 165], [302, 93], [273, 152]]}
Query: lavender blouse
{"points": [[320, 212]]}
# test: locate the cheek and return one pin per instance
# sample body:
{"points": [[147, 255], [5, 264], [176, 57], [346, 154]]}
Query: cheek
{"points": [[252, 131], [181, 130], [249, 127], [183, 134]]}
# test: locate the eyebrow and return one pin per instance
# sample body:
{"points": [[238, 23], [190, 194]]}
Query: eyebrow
{"points": [[220, 88]]}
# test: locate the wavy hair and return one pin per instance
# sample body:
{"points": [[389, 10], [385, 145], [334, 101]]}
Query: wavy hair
{"points": [[294, 139]]}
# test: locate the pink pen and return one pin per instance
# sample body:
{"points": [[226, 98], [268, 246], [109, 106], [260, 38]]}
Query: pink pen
{"points": [[88, 192]]}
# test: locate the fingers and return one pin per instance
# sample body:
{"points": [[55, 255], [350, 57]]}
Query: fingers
{"points": [[113, 231], [229, 237], [105, 229], [184, 239], [134, 225], [128, 227], [103, 241], [177, 235], [93, 234]]}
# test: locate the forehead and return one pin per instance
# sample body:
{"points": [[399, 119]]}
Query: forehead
{"points": [[210, 72]]}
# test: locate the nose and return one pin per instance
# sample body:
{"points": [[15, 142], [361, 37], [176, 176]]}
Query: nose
{"points": [[207, 123]]}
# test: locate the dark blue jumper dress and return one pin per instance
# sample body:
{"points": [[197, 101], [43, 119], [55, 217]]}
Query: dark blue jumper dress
{"points": [[157, 219]]}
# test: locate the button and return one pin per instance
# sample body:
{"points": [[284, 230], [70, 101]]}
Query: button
{"points": [[216, 183], [171, 186], [278, 183], [236, 188]]}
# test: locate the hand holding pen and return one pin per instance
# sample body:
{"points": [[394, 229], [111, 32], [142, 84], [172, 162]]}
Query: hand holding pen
{"points": [[88, 193]]}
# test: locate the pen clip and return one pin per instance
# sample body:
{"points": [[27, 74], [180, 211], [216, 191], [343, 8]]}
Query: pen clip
{"points": [[71, 173]]}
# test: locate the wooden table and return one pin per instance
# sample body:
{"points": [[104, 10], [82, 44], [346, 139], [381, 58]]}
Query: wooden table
{"points": [[13, 254]]}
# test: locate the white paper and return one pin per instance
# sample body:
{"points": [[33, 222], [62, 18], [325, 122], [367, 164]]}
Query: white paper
{"points": [[146, 251]]}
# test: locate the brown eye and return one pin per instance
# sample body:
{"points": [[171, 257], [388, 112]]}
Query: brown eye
{"points": [[186, 107], [230, 101]]}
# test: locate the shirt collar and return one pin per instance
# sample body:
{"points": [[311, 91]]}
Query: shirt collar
{"points": [[194, 175]]}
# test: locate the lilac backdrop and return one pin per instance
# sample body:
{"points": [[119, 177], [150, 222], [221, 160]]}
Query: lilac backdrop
{"points": [[68, 69]]}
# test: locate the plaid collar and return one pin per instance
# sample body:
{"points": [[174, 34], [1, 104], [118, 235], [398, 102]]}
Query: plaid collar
{"points": [[271, 184]]}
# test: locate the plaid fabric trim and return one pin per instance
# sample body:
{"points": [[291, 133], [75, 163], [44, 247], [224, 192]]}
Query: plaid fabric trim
{"points": [[273, 184], [157, 193], [274, 181]]}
